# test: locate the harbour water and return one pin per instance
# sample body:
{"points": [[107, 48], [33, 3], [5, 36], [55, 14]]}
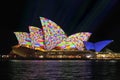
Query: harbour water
{"points": [[60, 70]]}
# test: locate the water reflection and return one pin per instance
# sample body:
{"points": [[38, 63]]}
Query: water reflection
{"points": [[60, 70], [105, 70], [49, 70]]}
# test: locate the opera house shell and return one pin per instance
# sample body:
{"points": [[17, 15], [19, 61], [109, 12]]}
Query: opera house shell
{"points": [[49, 38]]}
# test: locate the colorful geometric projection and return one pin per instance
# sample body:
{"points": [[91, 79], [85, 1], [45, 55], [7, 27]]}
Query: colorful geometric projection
{"points": [[53, 34], [36, 36], [50, 37], [98, 46], [69, 45], [62, 45], [23, 38], [78, 38], [75, 41], [66, 45]]}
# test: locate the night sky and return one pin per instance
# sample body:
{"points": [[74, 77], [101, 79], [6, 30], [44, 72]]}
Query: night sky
{"points": [[100, 17]]}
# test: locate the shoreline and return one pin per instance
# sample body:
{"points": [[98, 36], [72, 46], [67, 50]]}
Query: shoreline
{"points": [[93, 59]]}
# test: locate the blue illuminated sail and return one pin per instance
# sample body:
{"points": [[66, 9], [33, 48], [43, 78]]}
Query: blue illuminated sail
{"points": [[98, 46], [89, 45]]}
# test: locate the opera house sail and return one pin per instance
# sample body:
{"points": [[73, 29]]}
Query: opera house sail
{"points": [[53, 34], [23, 39], [75, 41], [36, 36], [98, 46], [78, 38]]}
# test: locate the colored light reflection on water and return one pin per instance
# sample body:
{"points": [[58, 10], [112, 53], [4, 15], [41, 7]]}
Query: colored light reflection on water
{"points": [[60, 70]]}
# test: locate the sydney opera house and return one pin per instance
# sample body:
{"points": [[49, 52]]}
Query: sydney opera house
{"points": [[51, 41]]}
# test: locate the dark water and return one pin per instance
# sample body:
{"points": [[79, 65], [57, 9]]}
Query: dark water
{"points": [[59, 70]]}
